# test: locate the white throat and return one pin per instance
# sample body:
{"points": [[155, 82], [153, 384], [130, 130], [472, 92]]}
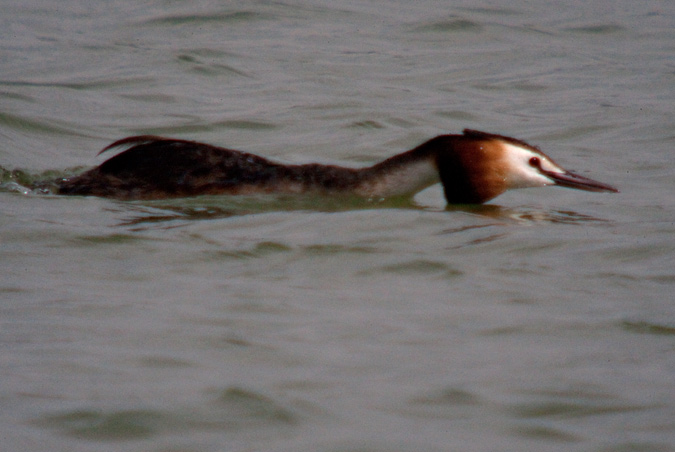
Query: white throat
{"points": [[402, 180]]}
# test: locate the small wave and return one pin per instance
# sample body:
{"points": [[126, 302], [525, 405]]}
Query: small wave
{"points": [[450, 25], [224, 17], [601, 29], [26, 183]]}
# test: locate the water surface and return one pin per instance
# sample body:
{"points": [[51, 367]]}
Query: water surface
{"points": [[542, 321]]}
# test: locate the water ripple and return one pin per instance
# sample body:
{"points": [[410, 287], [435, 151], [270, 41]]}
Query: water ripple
{"points": [[643, 327], [233, 408], [196, 19]]}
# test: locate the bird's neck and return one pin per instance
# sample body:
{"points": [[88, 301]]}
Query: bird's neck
{"points": [[401, 175]]}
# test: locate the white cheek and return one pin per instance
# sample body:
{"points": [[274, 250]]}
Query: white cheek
{"points": [[524, 179], [520, 173]]}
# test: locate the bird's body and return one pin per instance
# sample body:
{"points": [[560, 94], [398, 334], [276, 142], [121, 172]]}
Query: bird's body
{"points": [[473, 167]]}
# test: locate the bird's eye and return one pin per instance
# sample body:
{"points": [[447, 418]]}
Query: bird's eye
{"points": [[534, 161]]}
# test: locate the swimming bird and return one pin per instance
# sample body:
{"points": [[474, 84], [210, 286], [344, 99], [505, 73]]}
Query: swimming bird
{"points": [[473, 167]]}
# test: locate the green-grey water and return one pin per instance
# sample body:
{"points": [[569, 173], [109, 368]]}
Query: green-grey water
{"points": [[542, 321]]}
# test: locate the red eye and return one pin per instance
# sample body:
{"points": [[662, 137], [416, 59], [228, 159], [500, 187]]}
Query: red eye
{"points": [[534, 161]]}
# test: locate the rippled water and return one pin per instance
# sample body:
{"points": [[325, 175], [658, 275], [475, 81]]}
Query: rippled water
{"points": [[542, 321]]}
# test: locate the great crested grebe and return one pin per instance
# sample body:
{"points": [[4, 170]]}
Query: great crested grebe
{"points": [[473, 167]]}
